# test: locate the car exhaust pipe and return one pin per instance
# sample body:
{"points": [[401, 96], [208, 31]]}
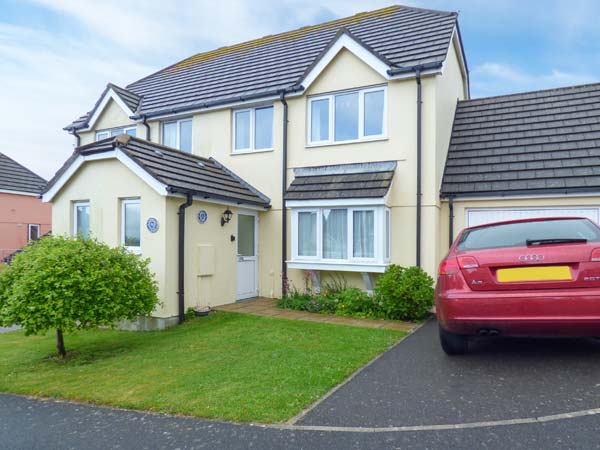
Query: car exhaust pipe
{"points": [[488, 332]]}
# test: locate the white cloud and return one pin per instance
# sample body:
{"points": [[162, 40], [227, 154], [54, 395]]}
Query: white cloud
{"points": [[492, 78]]}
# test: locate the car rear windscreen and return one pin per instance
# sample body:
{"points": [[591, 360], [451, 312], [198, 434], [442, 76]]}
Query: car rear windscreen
{"points": [[519, 233]]}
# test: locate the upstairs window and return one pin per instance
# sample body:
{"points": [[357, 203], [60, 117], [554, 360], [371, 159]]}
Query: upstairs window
{"points": [[130, 225], [351, 116], [177, 134], [81, 219], [131, 131], [253, 129]]}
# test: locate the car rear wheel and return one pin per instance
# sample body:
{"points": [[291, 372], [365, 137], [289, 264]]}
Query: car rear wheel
{"points": [[453, 344]]}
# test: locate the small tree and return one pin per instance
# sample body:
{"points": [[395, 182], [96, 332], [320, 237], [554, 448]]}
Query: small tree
{"points": [[72, 284]]}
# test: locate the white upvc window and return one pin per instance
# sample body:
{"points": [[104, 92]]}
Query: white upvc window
{"points": [[131, 225], [341, 235], [33, 232], [253, 129], [348, 116], [103, 134], [177, 134], [81, 219]]}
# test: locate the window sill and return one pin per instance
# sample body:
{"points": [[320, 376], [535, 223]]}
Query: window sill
{"points": [[248, 152], [355, 141], [342, 266]]}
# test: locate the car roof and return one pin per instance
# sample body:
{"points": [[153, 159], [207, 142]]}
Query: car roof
{"points": [[535, 219]]}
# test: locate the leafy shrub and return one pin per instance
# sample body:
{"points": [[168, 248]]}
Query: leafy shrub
{"points": [[405, 294], [71, 284]]}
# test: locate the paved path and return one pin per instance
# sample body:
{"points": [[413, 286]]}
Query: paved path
{"points": [[268, 307], [415, 383]]}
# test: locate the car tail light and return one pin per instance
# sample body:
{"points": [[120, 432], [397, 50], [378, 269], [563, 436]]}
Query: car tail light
{"points": [[449, 266], [467, 262], [595, 255]]}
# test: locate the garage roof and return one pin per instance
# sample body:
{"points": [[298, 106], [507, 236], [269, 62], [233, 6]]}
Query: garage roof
{"points": [[16, 178], [176, 171], [538, 142]]}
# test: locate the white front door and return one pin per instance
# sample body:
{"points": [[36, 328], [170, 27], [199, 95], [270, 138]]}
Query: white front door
{"points": [[247, 255]]}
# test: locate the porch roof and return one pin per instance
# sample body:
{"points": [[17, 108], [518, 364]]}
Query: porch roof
{"points": [[342, 181], [178, 172]]}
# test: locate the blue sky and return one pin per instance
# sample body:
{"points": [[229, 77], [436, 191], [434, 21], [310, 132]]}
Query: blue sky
{"points": [[56, 56]]}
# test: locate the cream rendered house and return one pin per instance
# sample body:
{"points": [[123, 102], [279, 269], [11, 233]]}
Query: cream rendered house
{"points": [[317, 151]]}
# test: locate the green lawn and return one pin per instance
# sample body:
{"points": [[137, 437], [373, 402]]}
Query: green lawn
{"points": [[229, 366]]}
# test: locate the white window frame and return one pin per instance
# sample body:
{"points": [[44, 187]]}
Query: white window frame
{"points": [[387, 223], [378, 258], [30, 226], [251, 148], [124, 202], [110, 130], [75, 205], [361, 117], [178, 136]]}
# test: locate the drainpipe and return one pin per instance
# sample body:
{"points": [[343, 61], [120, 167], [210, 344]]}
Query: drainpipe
{"points": [[145, 123], [283, 192], [181, 273], [451, 221], [419, 191], [77, 137]]}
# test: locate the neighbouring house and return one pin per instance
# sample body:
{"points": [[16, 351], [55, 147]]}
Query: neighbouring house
{"points": [[23, 215], [319, 151]]}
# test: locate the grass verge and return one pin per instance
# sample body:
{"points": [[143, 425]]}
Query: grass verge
{"points": [[227, 366]]}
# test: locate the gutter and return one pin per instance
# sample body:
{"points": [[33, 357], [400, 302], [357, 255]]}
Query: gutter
{"points": [[417, 69], [419, 162], [181, 266], [220, 102], [283, 193]]}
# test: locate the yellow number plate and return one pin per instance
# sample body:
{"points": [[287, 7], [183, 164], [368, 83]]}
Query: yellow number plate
{"points": [[542, 273]]}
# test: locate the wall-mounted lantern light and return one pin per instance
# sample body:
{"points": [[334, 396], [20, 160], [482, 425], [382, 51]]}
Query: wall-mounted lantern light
{"points": [[226, 217]]}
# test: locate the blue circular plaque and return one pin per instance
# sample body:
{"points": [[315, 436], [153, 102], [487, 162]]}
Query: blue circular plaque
{"points": [[152, 225], [202, 216]]}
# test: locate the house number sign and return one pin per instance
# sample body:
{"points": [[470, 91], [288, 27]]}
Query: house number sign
{"points": [[152, 225], [202, 216]]}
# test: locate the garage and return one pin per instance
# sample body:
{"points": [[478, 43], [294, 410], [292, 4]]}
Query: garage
{"points": [[480, 216]]}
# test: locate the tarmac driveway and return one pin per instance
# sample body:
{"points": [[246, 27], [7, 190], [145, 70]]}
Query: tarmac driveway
{"points": [[416, 384]]}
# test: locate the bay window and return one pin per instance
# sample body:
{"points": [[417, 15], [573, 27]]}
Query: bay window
{"points": [[340, 235], [350, 116], [177, 134], [253, 129]]}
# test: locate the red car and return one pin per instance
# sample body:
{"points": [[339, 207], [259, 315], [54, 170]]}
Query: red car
{"points": [[533, 277]]}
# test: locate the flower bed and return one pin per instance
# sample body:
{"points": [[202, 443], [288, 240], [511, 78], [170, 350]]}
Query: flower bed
{"points": [[400, 293]]}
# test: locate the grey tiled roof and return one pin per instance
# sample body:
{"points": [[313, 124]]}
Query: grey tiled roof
{"points": [[181, 172], [131, 99], [403, 37], [536, 142], [363, 180], [15, 177]]}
